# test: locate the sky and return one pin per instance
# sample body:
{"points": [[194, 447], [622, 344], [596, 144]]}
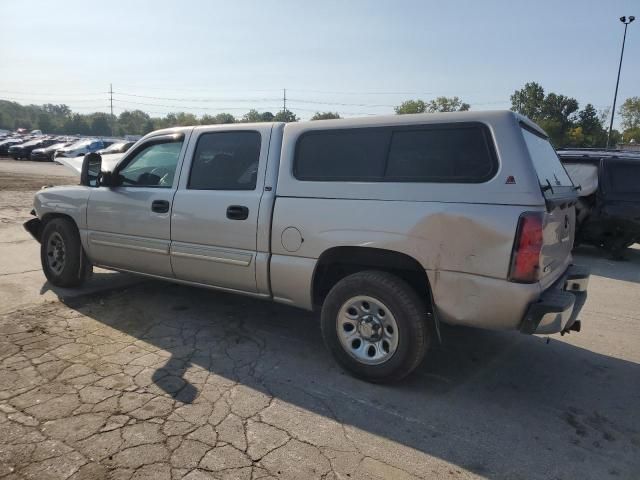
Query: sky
{"points": [[355, 57]]}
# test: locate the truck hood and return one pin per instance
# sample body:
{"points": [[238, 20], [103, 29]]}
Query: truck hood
{"points": [[109, 162]]}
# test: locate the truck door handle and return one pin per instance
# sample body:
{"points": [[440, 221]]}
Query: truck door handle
{"points": [[160, 206], [237, 212]]}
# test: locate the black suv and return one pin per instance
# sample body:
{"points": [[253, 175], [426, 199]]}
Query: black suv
{"points": [[608, 208]]}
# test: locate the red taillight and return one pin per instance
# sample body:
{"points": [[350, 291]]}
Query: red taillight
{"points": [[525, 259]]}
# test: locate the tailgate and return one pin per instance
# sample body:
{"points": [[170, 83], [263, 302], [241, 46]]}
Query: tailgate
{"points": [[557, 237], [560, 197]]}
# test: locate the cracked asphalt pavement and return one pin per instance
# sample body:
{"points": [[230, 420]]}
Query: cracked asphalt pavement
{"points": [[131, 379]]}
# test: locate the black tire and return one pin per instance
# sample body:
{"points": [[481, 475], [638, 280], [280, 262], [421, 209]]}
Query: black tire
{"points": [[407, 308], [617, 246], [73, 267]]}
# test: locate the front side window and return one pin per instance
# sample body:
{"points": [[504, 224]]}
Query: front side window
{"points": [[153, 166], [225, 161]]}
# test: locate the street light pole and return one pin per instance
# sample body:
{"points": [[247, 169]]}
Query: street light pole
{"points": [[615, 95]]}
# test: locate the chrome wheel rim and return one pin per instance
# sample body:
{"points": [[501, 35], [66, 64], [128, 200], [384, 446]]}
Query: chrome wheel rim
{"points": [[367, 330], [56, 253]]}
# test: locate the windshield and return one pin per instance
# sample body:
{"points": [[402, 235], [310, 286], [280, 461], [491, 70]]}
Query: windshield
{"points": [[545, 160]]}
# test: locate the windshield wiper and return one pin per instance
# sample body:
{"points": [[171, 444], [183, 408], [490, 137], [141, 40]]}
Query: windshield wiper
{"points": [[547, 187]]}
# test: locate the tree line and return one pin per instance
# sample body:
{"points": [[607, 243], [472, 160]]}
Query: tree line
{"points": [[559, 115]]}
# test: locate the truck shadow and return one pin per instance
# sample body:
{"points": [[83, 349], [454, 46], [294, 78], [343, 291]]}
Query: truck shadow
{"points": [[601, 263], [502, 405]]}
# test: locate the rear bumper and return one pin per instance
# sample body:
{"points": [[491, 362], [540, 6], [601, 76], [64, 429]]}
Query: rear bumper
{"points": [[558, 307]]}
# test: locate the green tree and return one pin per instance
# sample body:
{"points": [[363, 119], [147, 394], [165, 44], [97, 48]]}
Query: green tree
{"points": [[76, 124], [630, 113], [447, 104], [267, 117], [411, 106], [554, 113], [529, 100], [559, 108], [252, 116], [100, 124], [631, 134], [62, 110], [575, 137], [439, 104], [217, 119], [132, 122], [149, 126], [45, 123], [589, 120], [326, 116], [185, 119], [285, 116], [223, 118]]}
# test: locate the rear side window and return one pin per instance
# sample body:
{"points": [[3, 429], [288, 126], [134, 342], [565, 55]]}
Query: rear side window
{"points": [[358, 154], [545, 161], [225, 161], [623, 177], [458, 155], [455, 153]]}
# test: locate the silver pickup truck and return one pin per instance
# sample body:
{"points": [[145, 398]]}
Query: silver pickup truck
{"points": [[386, 225]]}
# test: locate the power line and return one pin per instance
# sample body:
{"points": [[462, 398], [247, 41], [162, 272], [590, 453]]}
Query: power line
{"points": [[315, 102], [187, 107], [168, 89], [183, 99], [52, 94], [77, 107]]}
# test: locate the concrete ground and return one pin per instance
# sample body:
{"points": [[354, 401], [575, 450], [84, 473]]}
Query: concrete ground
{"points": [[130, 379]]}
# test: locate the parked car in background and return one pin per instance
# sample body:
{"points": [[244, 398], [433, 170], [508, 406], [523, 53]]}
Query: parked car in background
{"points": [[82, 147], [8, 143], [608, 206], [23, 150], [118, 147], [47, 153], [386, 225]]}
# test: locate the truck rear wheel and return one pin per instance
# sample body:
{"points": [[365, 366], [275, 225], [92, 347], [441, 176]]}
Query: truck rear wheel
{"points": [[64, 262], [375, 325]]}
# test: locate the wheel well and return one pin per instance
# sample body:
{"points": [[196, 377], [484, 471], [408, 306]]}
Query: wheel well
{"points": [[50, 216], [336, 263]]}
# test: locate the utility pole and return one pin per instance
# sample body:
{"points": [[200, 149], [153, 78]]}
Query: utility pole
{"points": [[111, 103], [615, 95], [284, 99]]}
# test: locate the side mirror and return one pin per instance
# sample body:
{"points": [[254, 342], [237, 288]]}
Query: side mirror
{"points": [[109, 179], [91, 166]]}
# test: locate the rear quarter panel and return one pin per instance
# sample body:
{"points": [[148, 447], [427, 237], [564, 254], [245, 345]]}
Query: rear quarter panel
{"points": [[464, 248]]}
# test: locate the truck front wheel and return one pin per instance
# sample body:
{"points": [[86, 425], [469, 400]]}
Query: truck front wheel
{"points": [[375, 325], [63, 259]]}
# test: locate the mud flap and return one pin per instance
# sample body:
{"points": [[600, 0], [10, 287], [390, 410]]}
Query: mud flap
{"points": [[34, 227]]}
